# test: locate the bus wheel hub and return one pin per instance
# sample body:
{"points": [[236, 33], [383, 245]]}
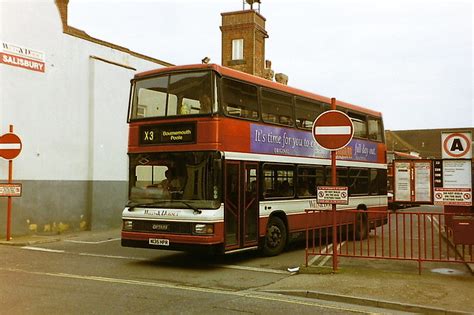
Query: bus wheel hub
{"points": [[274, 236]]}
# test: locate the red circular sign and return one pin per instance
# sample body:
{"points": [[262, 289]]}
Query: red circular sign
{"points": [[333, 130], [467, 144], [10, 146]]}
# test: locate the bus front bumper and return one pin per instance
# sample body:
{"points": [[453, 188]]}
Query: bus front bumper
{"points": [[190, 243]]}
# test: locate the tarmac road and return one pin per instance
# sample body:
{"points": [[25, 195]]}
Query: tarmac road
{"points": [[51, 274], [72, 276]]}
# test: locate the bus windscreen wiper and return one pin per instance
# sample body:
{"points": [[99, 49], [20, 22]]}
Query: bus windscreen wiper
{"points": [[196, 210], [132, 205]]}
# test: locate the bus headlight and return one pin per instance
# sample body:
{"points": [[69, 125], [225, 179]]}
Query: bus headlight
{"points": [[200, 228], [128, 225]]}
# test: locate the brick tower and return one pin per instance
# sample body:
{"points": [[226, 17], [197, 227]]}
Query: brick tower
{"points": [[243, 40]]}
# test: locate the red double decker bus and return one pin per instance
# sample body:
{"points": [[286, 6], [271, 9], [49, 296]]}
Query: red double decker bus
{"points": [[224, 161]]}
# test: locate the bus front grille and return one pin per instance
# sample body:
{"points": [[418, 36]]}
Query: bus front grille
{"points": [[162, 227]]}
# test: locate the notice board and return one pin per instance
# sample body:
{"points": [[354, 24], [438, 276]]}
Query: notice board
{"points": [[413, 181]]}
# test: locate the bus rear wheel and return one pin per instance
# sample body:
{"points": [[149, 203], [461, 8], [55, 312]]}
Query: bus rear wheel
{"points": [[275, 237]]}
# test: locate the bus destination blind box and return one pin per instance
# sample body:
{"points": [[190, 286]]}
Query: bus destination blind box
{"points": [[168, 134]]}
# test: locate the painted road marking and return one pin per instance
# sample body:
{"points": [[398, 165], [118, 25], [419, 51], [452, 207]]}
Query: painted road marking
{"points": [[112, 256], [435, 224], [94, 243], [325, 259], [312, 261], [40, 249], [236, 267], [245, 294], [253, 269], [326, 256]]}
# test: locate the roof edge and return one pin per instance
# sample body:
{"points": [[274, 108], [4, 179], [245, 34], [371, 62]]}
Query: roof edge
{"points": [[62, 6]]}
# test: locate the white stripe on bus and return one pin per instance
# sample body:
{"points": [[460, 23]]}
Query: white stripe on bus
{"points": [[259, 157]]}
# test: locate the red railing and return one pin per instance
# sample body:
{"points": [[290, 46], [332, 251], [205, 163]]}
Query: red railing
{"points": [[410, 236]]}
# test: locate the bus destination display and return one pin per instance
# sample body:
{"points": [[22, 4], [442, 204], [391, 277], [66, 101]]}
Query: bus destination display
{"points": [[167, 134]]}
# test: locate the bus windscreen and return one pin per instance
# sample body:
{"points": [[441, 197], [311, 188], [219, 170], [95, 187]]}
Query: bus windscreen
{"points": [[190, 93], [174, 179]]}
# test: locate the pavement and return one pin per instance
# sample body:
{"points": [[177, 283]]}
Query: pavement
{"points": [[427, 293], [362, 283]]}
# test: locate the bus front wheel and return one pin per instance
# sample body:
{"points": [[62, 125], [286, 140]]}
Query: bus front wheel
{"points": [[275, 237]]}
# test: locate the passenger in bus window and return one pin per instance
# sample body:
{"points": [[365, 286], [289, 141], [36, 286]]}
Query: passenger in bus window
{"points": [[303, 188], [164, 184], [286, 189], [253, 187], [182, 107], [206, 104], [171, 183]]}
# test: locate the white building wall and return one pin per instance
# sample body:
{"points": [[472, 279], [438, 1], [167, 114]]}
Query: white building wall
{"points": [[71, 118], [108, 137]]}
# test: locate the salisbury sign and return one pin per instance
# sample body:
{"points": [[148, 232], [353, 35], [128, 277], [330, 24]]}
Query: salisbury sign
{"points": [[18, 56]]}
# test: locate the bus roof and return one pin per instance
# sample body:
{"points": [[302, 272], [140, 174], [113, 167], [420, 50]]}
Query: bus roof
{"points": [[228, 72]]}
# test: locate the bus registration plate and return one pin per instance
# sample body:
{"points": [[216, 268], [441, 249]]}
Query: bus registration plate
{"points": [[159, 241]]}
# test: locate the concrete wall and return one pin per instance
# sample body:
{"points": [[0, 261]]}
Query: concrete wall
{"points": [[72, 122]]}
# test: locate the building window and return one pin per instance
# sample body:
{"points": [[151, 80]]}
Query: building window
{"points": [[238, 49]]}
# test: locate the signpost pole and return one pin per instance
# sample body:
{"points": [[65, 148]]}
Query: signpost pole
{"points": [[9, 207], [333, 130], [10, 147], [334, 183]]}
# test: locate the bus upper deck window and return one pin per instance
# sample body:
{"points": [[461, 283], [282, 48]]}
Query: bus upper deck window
{"points": [[240, 99], [150, 98], [375, 129], [360, 125], [277, 108], [306, 111]]}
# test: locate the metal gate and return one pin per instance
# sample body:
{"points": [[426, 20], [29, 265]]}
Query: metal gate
{"points": [[410, 236]]}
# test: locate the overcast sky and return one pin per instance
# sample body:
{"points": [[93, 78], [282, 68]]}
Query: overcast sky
{"points": [[410, 59]]}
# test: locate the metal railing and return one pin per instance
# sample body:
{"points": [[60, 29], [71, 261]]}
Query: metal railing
{"points": [[410, 236]]}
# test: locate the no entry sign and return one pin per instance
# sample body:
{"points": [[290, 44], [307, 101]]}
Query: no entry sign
{"points": [[10, 146], [333, 130]]}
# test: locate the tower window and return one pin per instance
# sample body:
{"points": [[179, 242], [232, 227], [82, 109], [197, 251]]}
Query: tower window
{"points": [[238, 49]]}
